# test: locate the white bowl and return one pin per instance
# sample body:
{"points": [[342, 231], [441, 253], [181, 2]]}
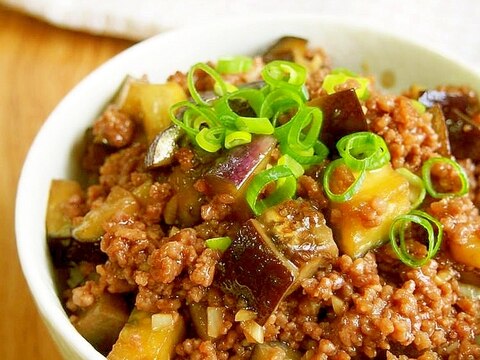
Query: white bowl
{"points": [[349, 45]]}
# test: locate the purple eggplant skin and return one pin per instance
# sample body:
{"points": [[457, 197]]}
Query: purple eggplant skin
{"points": [[460, 107], [163, 147], [255, 271], [233, 171], [342, 115]]}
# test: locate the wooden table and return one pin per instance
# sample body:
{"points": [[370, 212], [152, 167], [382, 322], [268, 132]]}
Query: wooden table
{"points": [[39, 64]]}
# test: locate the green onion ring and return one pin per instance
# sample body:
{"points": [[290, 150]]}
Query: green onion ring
{"points": [[285, 191], [279, 73], [234, 64], [212, 73], [219, 243], [363, 150], [210, 139], [235, 138], [254, 125], [307, 117], [296, 167], [351, 190], [193, 115], [423, 219], [414, 181], [427, 179]]}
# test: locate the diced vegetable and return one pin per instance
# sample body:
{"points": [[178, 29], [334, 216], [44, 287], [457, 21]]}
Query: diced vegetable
{"points": [[470, 291], [138, 340], [363, 231], [59, 223], [162, 148], [234, 171], [458, 107], [274, 350], [254, 333], [184, 207], [254, 269], [118, 201], [101, 323], [286, 48], [439, 124], [467, 253], [342, 115], [214, 321], [150, 103], [307, 246], [198, 312]]}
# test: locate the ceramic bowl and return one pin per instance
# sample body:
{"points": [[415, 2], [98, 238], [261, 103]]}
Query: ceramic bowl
{"points": [[356, 47]]}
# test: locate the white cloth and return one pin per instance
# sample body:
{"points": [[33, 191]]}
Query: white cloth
{"points": [[452, 26]]}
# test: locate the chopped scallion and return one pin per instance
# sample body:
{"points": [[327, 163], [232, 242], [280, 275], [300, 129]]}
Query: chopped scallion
{"points": [[218, 243], [282, 192], [397, 236], [427, 177], [234, 65], [350, 191]]}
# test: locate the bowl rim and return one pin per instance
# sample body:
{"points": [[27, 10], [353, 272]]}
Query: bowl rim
{"points": [[54, 316]]}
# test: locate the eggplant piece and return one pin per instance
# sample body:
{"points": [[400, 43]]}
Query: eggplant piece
{"points": [[184, 206], [233, 172], [467, 253], [301, 234], [286, 48], [355, 229], [58, 222], [274, 350], [342, 115], [101, 322], [198, 313], [118, 201], [162, 148], [459, 107], [255, 271], [440, 127], [140, 340], [65, 251], [149, 103]]}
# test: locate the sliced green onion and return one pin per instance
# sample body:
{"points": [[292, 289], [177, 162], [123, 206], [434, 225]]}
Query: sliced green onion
{"points": [[210, 139], [417, 187], [230, 88], [255, 125], [219, 243], [350, 191], [307, 118], [279, 101], [427, 178], [234, 65], [340, 76], [236, 138], [281, 73], [193, 117], [311, 156], [296, 168], [397, 236], [285, 191], [222, 87], [417, 105], [363, 150]]}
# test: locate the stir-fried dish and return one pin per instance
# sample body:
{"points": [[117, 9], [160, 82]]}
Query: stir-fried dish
{"points": [[274, 207]]}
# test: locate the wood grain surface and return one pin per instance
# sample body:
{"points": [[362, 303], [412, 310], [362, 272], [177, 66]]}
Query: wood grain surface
{"points": [[39, 64]]}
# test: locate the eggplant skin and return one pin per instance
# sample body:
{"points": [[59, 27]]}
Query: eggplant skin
{"points": [[255, 271]]}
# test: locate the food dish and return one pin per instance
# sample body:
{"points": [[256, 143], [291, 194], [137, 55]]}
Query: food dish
{"points": [[255, 229]]}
